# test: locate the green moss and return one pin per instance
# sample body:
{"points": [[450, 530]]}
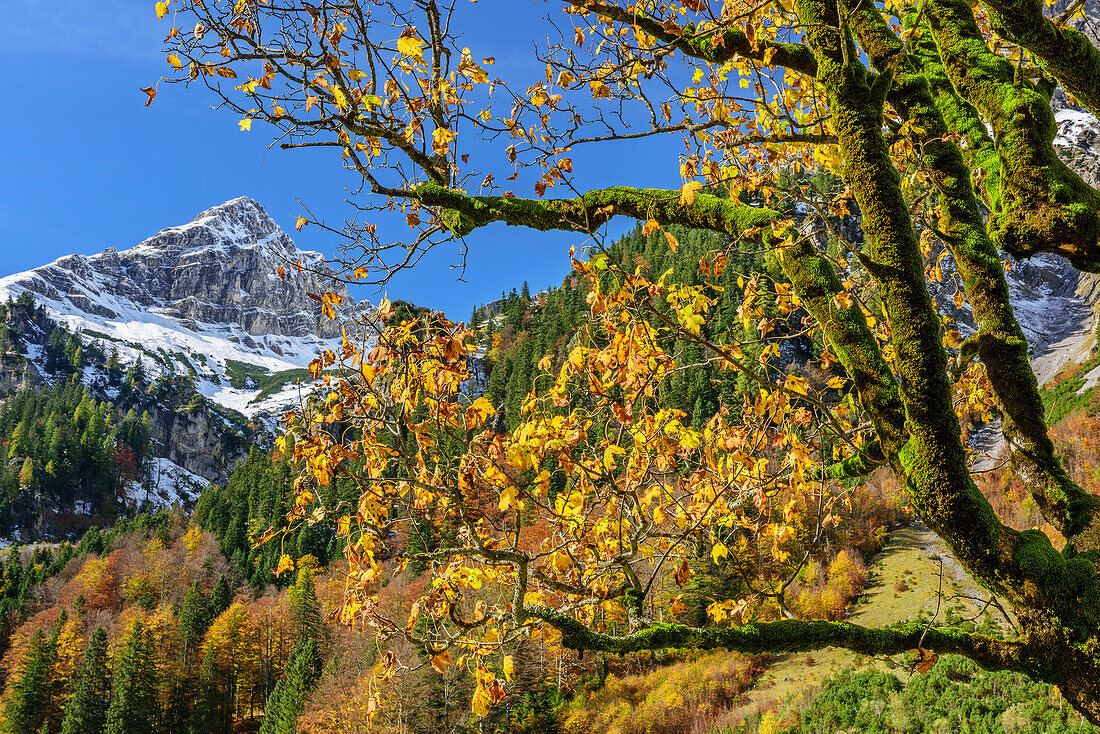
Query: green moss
{"points": [[458, 223], [464, 213], [1044, 206]]}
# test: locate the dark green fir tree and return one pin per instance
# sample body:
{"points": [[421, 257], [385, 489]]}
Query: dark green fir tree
{"points": [[86, 709]]}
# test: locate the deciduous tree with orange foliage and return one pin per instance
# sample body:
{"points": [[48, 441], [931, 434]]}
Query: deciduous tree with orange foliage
{"points": [[934, 113]]}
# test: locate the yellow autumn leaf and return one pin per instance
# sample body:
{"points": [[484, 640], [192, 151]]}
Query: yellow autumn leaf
{"points": [[340, 98], [162, 9], [411, 46], [480, 703], [796, 384], [441, 138], [542, 482], [507, 497], [286, 563], [842, 300], [673, 243], [719, 552], [246, 124], [300, 222], [175, 61], [439, 662], [688, 192], [478, 411], [508, 668]]}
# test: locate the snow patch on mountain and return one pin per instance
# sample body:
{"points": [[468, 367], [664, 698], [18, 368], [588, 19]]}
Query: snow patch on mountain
{"points": [[168, 485]]}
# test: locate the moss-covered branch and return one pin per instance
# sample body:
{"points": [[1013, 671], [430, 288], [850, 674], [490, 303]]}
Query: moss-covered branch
{"points": [[1000, 342], [960, 116], [854, 467], [716, 49], [1044, 206], [791, 636], [462, 213], [1023, 567], [1064, 53], [815, 281]]}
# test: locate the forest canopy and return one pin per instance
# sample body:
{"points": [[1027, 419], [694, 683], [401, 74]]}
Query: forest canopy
{"points": [[837, 153]]}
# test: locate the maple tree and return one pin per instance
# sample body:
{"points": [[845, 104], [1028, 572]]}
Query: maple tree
{"points": [[933, 113]]}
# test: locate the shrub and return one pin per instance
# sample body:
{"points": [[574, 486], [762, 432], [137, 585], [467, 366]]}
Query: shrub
{"points": [[681, 697]]}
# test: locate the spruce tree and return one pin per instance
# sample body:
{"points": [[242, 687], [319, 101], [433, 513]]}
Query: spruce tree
{"points": [[114, 369], [13, 573], [213, 712], [133, 708], [307, 610], [86, 710], [26, 709], [284, 705], [220, 598], [194, 618]]}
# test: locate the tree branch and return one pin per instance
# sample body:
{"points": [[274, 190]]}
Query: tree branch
{"points": [[790, 635], [1000, 341], [462, 213], [717, 47], [1064, 53], [1044, 205]]}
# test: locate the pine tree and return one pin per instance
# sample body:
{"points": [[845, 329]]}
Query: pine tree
{"points": [[86, 710], [13, 573], [194, 618], [26, 709], [133, 708], [220, 598], [284, 705], [18, 440], [114, 369], [306, 608], [213, 713]]}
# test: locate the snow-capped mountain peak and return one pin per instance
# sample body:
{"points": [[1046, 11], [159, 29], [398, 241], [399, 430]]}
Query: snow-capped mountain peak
{"points": [[202, 299]]}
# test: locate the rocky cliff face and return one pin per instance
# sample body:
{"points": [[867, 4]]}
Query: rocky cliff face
{"points": [[220, 269], [222, 339], [204, 299]]}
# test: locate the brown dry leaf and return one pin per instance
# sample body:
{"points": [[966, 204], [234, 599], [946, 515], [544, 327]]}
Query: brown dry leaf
{"points": [[440, 661], [682, 574]]}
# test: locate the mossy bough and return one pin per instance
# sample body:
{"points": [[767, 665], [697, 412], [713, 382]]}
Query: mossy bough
{"points": [[462, 213], [789, 635], [1000, 341], [1064, 53], [1044, 205]]}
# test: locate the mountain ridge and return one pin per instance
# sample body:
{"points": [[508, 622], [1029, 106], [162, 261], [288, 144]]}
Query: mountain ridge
{"points": [[201, 299]]}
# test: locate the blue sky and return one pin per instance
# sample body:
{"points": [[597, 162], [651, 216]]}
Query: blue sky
{"points": [[84, 165]]}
